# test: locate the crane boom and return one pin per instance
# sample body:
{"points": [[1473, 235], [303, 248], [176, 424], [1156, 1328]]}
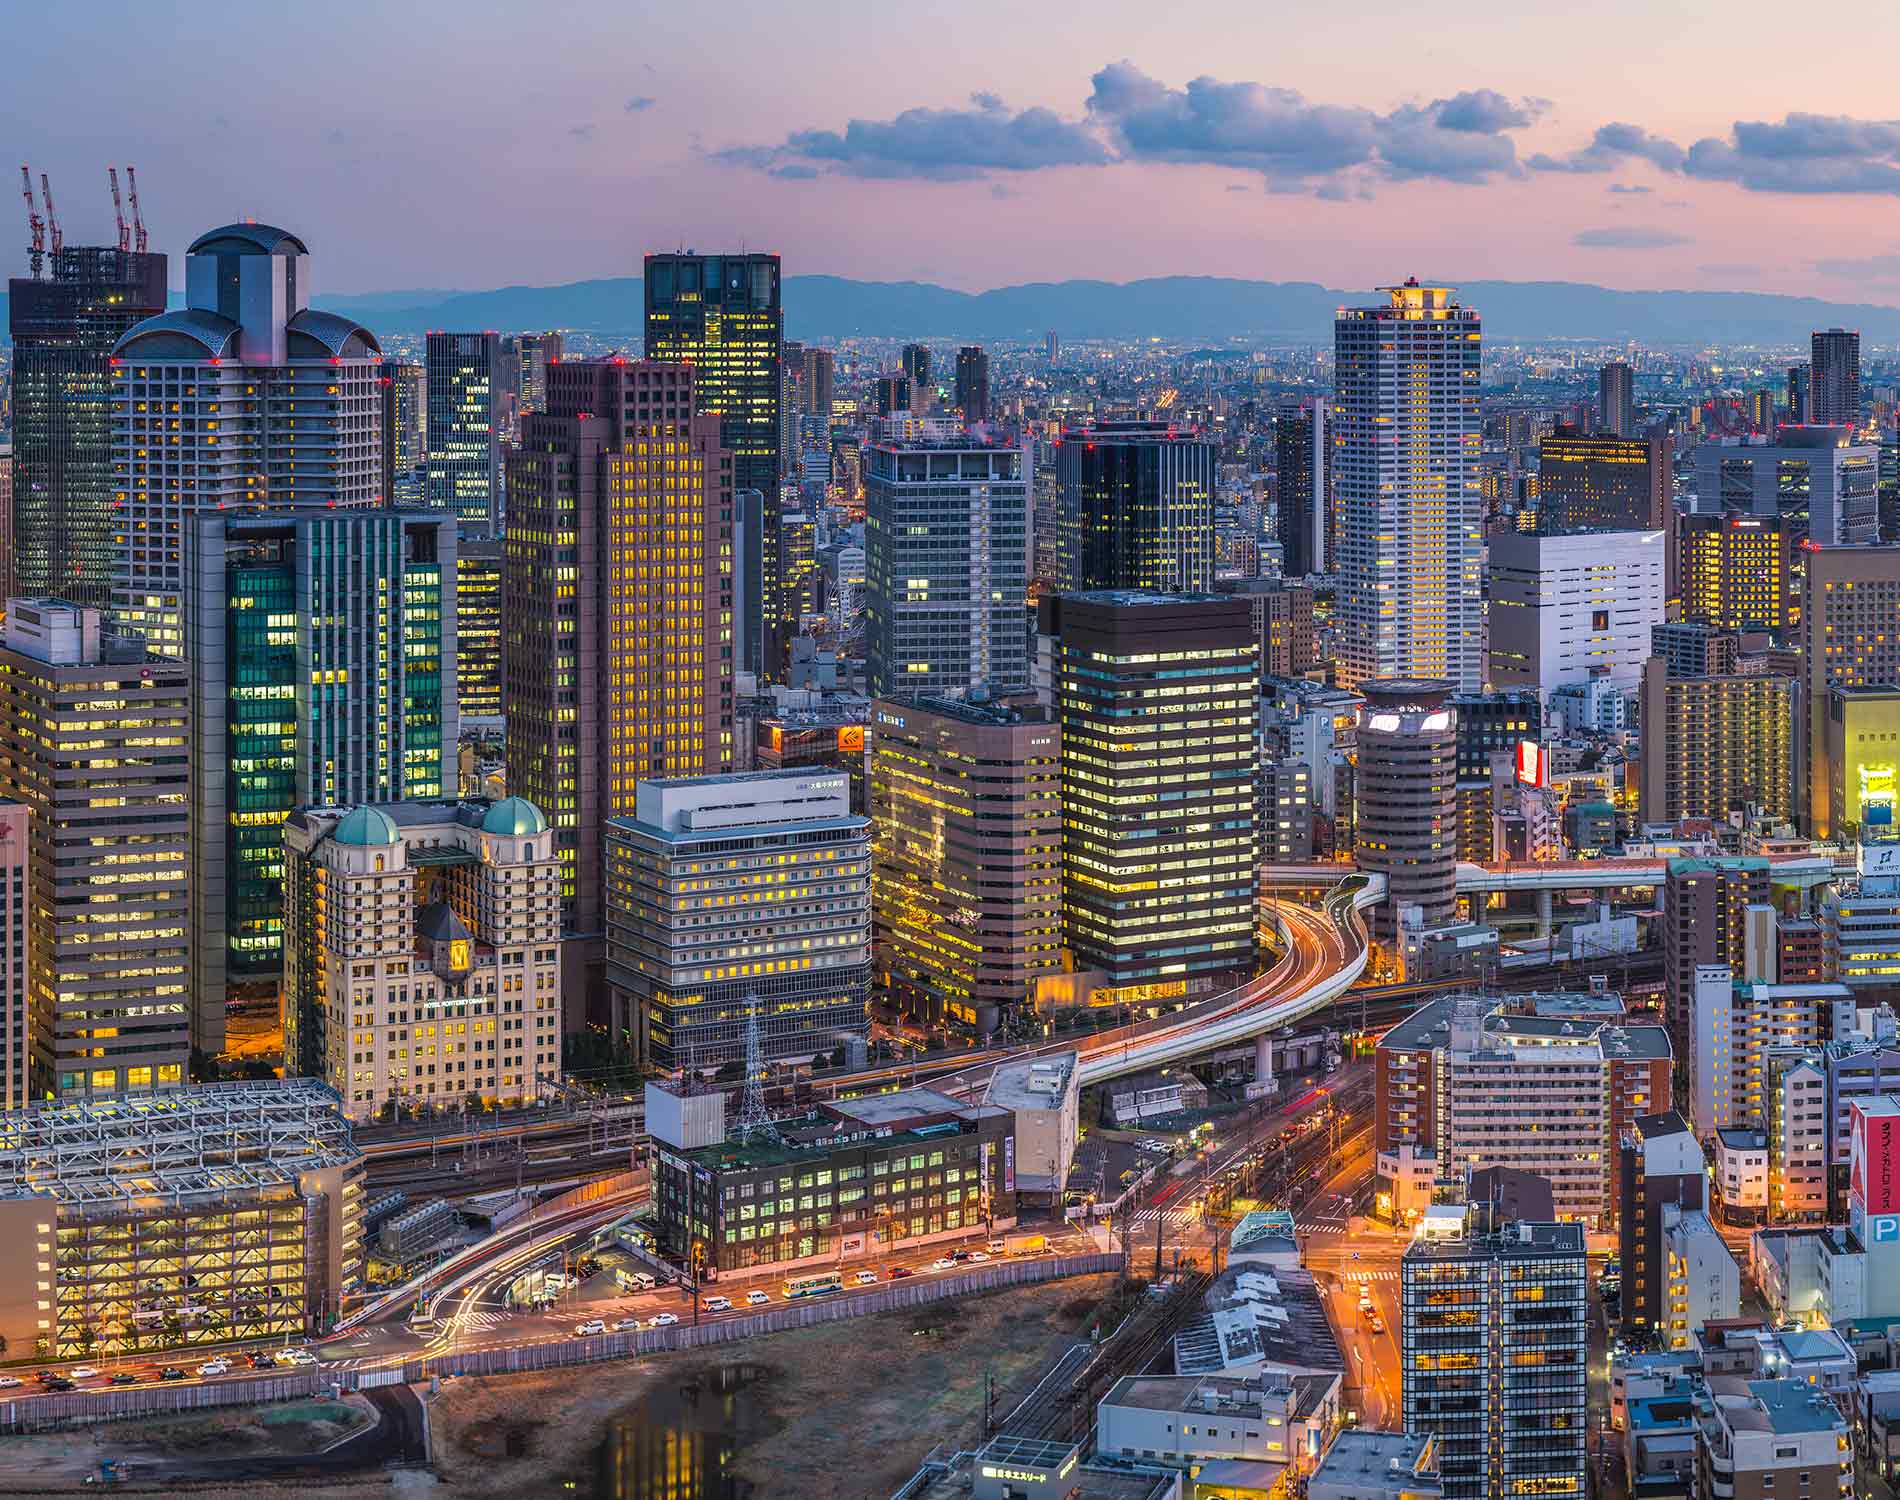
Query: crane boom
{"points": [[52, 217], [138, 224], [36, 226], [118, 210]]}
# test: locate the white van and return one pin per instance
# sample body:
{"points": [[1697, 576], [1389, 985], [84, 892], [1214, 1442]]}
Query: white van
{"points": [[719, 1304]]}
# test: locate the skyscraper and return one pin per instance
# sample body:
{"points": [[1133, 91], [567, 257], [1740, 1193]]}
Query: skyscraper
{"points": [[1405, 446], [467, 423], [1300, 467], [1817, 475], [1850, 638], [1156, 696], [722, 315], [915, 363], [534, 352], [946, 568], [1137, 508], [1716, 743], [1407, 799], [1616, 400], [893, 395], [1800, 393], [618, 607], [973, 383], [1704, 916], [478, 627], [1834, 388], [1602, 483], [817, 389], [405, 432], [63, 520], [95, 739], [276, 404], [322, 660]]}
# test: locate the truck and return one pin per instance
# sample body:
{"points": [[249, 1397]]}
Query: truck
{"points": [[1025, 1244]]}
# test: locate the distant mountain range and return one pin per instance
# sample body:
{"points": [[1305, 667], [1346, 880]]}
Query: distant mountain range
{"points": [[1208, 308]]}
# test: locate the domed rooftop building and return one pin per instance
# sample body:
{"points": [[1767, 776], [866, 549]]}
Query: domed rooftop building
{"points": [[246, 395], [516, 817]]}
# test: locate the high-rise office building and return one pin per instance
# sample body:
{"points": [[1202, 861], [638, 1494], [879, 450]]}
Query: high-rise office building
{"points": [[467, 423], [534, 352], [1800, 394], [892, 395], [1501, 1388], [16, 1011], [1136, 508], [1695, 648], [6, 521], [966, 864], [1705, 905], [1406, 799], [1405, 445], [247, 395], [817, 390], [1711, 745], [422, 960], [478, 627], [405, 432], [1818, 476], [1860, 753], [1850, 637], [63, 522], [95, 739], [915, 363], [946, 567], [618, 607], [1157, 699], [1834, 388], [973, 383], [1616, 400], [1602, 484], [722, 315], [323, 656], [787, 931], [1739, 570], [1568, 609], [1300, 489]]}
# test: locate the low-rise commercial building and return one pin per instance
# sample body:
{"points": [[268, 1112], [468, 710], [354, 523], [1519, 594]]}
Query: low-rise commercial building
{"points": [[1756, 1438], [857, 1177], [1741, 1174], [1186, 1419], [200, 1215], [1704, 1283], [1362, 1465], [1044, 1094]]}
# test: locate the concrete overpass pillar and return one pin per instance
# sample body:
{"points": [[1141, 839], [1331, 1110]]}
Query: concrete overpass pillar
{"points": [[1263, 1058], [1543, 913]]}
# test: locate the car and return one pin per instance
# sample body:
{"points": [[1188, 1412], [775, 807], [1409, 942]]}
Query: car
{"points": [[664, 1320], [60, 1383], [867, 1278], [959, 1256], [10, 1383], [898, 1273], [943, 1263], [626, 1325], [1378, 1324], [125, 1377], [296, 1357], [1355, 1255], [977, 1255], [756, 1298], [46, 1375], [261, 1361], [1365, 1305], [214, 1367], [82, 1372], [589, 1328], [171, 1372], [719, 1304]]}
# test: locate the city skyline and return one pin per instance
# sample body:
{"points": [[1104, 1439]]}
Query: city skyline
{"points": [[1539, 143]]}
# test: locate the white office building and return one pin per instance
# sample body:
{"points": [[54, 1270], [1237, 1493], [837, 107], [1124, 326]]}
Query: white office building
{"points": [[1406, 448], [246, 395], [1702, 1280], [1575, 609], [1736, 1025]]}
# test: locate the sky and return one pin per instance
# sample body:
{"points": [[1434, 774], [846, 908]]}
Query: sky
{"points": [[421, 145]]}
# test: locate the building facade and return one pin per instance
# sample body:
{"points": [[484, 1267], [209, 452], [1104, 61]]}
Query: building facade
{"points": [[1602, 482], [109, 794], [422, 952], [946, 568], [1405, 442], [1156, 701], [1713, 744], [1136, 508], [1300, 491], [62, 522], [1814, 473], [1406, 800], [16, 1010], [973, 384], [722, 315], [966, 869], [1850, 638], [1566, 609], [1834, 380], [466, 383], [404, 388], [1616, 400], [734, 895], [478, 628], [1740, 571], [245, 396], [1705, 921]]}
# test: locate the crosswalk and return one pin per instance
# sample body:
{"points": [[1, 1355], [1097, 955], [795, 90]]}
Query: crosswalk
{"points": [[1177, 1218]]}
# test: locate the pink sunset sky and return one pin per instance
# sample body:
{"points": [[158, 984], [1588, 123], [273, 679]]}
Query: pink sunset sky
{"points": [[431, 145]]}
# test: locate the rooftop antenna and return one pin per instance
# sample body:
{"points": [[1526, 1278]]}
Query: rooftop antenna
{"points": [[118, 211], [754, 1124], [36, 226], [139, 239], [52, 218]]}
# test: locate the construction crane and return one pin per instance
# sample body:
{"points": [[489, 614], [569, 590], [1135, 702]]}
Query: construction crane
{"points": [[52, 216], [118, 211], [138, 224], [36, 226]]}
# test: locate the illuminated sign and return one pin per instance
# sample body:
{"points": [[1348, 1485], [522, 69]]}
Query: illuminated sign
{"points": [[1533, 766], [851, 739], [1875, 1172], [1879, 859], [1027, 1476], [458, 953], [1009, 1163], [1883, 1228]]}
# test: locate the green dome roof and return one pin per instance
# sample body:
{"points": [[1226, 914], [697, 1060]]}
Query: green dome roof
{"points": [[515, 817], [368, 827]]}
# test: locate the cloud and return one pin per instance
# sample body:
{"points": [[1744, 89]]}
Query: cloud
{"points": [[1487, 111], [1610, 148], [1629, 238], [1800, 153], [1863, 268], [1629, 187], [581, 132], [937, 144], [640, 103]]}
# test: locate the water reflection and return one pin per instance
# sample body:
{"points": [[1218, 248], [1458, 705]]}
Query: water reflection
{"points": [[677, 1444]]}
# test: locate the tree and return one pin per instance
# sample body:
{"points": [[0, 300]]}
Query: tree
{"points": [[88, 1339], [174, 1330]]}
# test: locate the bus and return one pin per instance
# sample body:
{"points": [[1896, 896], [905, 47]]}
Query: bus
{"points": [[818, 1284]]}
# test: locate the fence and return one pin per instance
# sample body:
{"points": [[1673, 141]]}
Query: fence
{"points": [[34, 1412]]}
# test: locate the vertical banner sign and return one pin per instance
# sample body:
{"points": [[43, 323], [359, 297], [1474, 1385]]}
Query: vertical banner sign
{"points": [[1009, 1163]]}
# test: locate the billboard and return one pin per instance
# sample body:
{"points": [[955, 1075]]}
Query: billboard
{"points": [[1533, 767], [1875, 1174]]}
